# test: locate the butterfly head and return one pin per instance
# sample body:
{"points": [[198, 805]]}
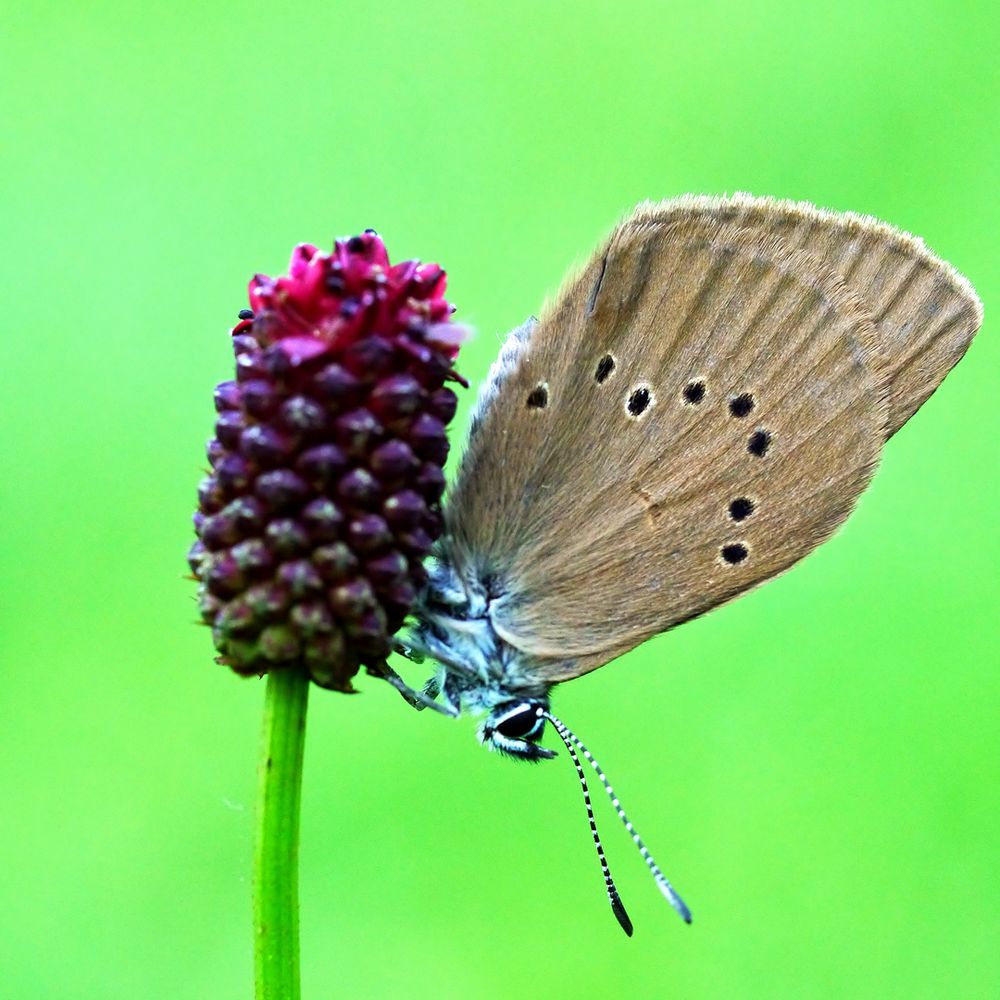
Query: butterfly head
{"points": [[514, 728]]}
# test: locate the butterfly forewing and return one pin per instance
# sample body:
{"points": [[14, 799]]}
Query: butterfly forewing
{"points": [[714, 402], [925, 313]]}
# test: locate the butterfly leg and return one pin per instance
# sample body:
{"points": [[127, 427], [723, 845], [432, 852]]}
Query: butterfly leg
{"points": [[398, 646], [418, 699], [449, 690]]}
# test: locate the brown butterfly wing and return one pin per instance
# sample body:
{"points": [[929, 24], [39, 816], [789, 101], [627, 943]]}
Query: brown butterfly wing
{"points": [[924, 311], [598, 527]]}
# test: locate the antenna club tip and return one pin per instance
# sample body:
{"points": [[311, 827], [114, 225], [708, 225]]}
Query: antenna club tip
{"points": [[621, 915]]}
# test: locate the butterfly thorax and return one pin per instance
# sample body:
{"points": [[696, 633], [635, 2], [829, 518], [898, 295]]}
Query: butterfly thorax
{"points": [[478, 669]]}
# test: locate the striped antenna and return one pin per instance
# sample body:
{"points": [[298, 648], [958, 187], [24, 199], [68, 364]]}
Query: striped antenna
{"points": [[609, 883], [569, 739]]}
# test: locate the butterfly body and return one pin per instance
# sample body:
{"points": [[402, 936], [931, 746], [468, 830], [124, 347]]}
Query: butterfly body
{"points": [[480, 671]]}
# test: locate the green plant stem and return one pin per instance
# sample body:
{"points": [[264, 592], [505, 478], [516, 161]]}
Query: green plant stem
{"points": [[276, 852]]}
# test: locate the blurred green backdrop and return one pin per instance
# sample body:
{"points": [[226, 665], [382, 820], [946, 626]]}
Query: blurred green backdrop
{"points": [[815, 765]]}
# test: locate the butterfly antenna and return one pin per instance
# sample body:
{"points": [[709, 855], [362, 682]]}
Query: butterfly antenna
{"points": [[609, 883], [569, 738]]}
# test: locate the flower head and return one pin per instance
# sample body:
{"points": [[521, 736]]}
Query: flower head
{"points": [[323, 498]]}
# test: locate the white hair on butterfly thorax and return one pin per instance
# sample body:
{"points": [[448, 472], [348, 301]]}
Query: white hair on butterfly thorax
{"points": [[700, 406]]}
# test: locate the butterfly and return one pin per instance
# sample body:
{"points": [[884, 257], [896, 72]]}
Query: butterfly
{"points": [[699, 408]]}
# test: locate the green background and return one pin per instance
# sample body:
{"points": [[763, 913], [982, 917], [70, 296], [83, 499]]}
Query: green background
{"points": [[815, 765]]}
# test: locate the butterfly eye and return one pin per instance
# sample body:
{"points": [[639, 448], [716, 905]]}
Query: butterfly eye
{"points": [[521, 724]]}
